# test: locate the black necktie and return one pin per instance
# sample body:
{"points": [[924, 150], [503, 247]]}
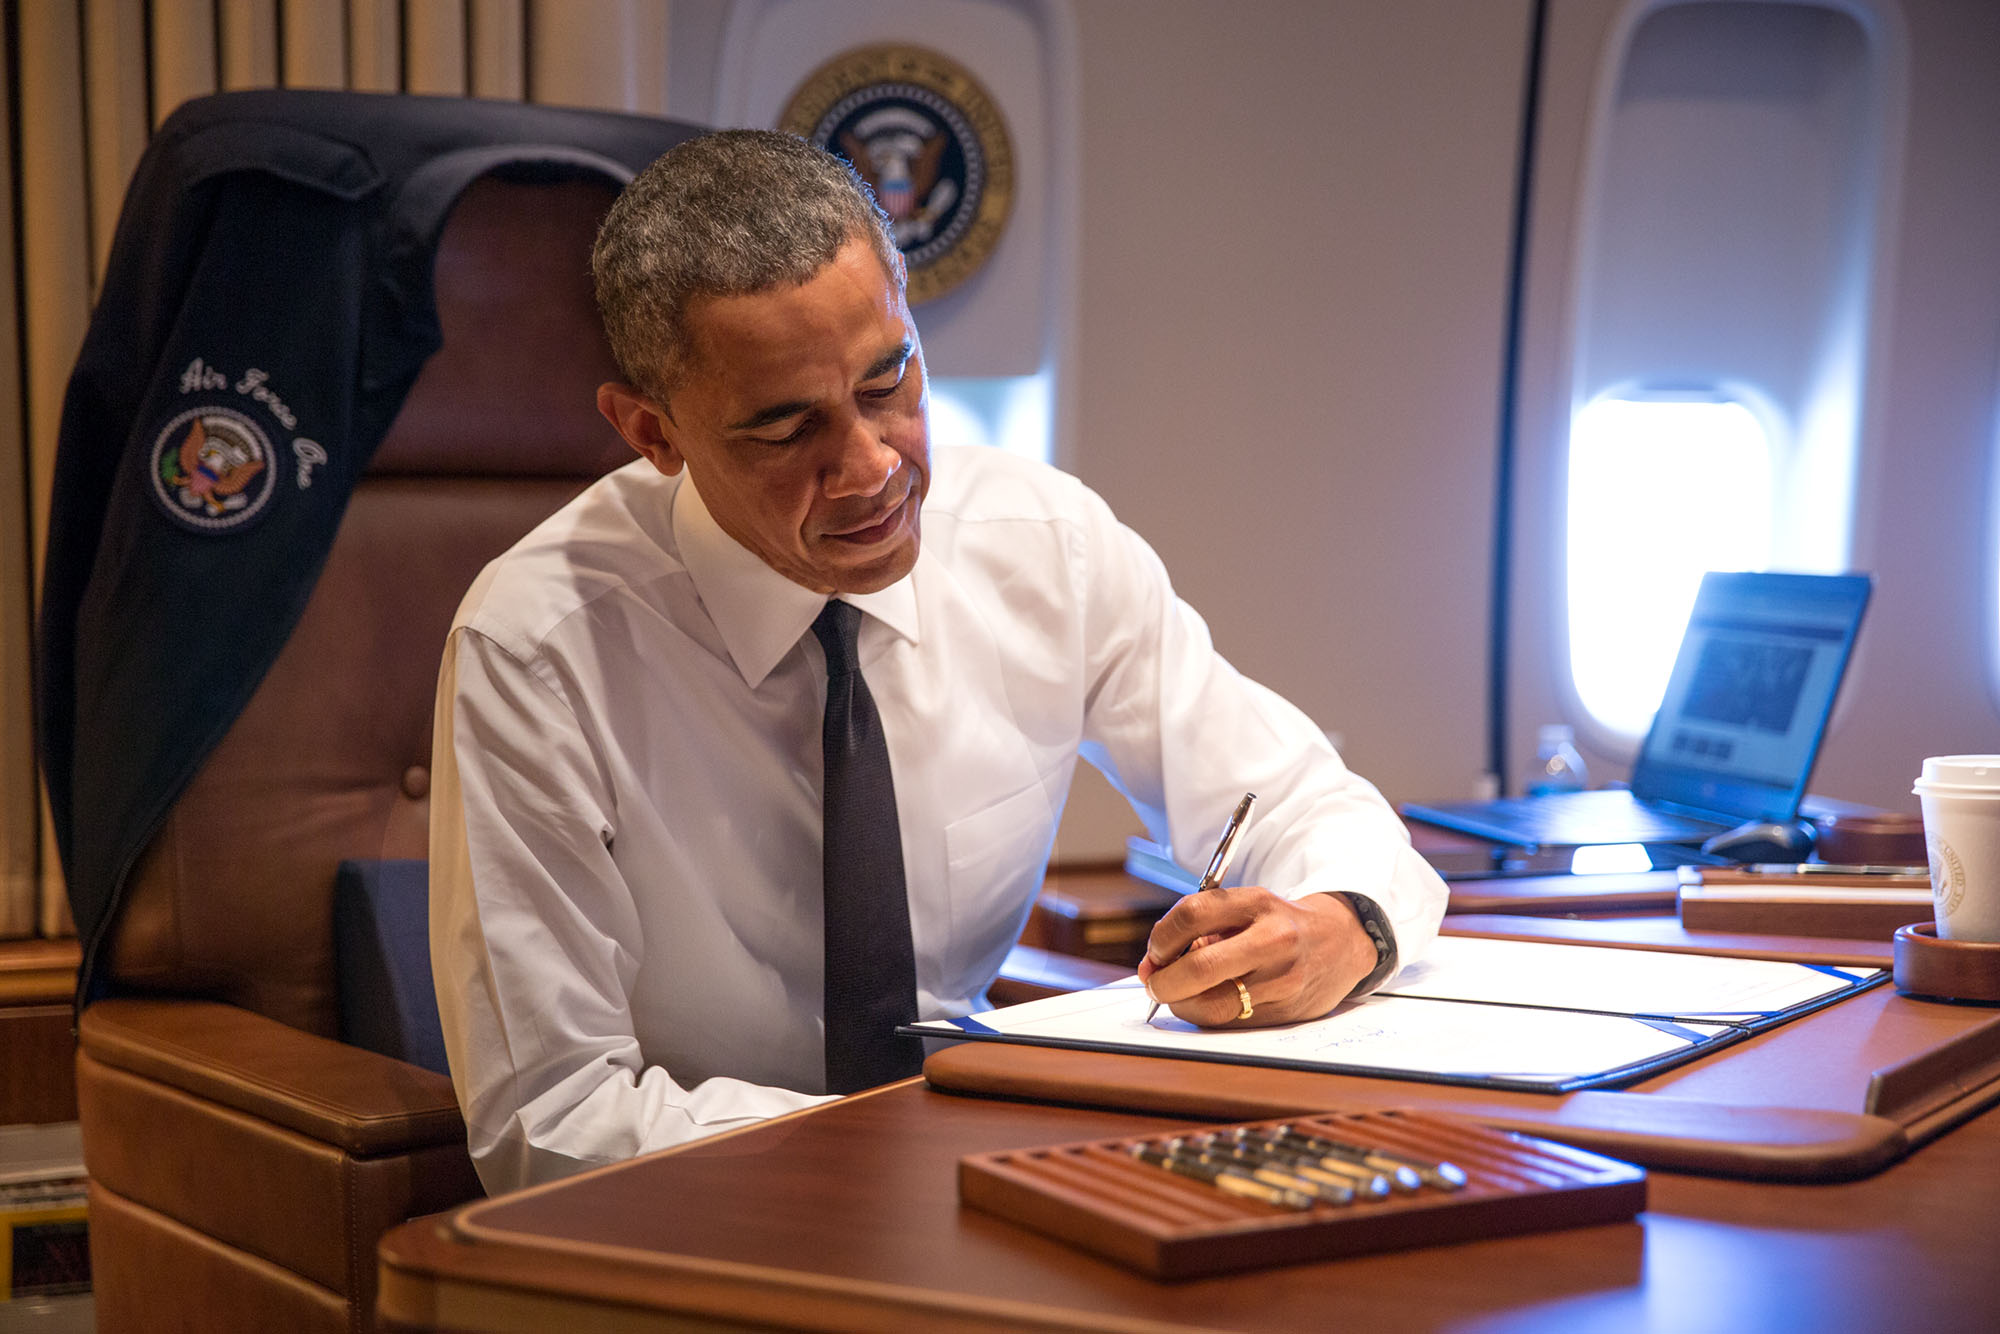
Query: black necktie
{"points": [[871, 971]]}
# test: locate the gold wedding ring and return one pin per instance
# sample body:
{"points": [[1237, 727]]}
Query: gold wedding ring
{"points": [[1244, 992]]}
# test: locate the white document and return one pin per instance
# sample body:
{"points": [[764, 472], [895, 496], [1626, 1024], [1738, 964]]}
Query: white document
{"points": [[1381, 1033], [1474, 1010], [1616, 981]]}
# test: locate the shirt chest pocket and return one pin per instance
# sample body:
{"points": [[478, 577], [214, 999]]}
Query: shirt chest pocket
{"points": [[994, 863]]}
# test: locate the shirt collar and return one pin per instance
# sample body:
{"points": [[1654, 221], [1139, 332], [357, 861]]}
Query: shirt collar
{"points": [[759, 613]]}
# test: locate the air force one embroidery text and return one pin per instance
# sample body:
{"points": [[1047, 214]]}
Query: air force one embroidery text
{"points": [[213, 466]]}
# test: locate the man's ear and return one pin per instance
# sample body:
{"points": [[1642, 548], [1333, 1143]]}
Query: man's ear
{"points": [[642, 422]]}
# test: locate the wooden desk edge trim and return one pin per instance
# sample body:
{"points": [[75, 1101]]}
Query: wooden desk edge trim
{"points": [[467, 1228], [713, 1287], [1944, 1117], [503, 1285], [1935, 1090]]}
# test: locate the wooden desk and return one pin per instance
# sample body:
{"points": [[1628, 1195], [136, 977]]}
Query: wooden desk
{"points": [[1102, 912], [1096, 912], [38, 1030], [847, 1216]]}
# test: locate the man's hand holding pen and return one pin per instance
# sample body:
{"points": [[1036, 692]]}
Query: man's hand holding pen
{"points": [[1297, 958]]}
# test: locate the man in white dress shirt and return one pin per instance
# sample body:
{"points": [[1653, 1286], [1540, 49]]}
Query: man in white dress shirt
{"points": [[626, 820]]}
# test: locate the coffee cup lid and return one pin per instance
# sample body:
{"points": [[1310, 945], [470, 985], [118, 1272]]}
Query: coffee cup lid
{"points": [[1977, 772]]}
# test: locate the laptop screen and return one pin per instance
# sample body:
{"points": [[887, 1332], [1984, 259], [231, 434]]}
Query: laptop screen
{"points": [[1751, 690]]}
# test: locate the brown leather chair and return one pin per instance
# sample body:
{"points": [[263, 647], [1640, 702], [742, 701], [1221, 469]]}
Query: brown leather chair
{"points": [[243, 1161]]}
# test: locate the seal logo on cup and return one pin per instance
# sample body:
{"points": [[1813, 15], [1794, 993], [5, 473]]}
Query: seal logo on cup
{"points": [[1960, 795], [1947, 877]]}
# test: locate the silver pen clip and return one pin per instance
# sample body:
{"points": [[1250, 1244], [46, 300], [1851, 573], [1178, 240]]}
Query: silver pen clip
{"points": [[1225, 850]]}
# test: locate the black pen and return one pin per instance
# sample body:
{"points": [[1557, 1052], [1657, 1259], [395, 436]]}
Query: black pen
{"points": [[1218, 866]]}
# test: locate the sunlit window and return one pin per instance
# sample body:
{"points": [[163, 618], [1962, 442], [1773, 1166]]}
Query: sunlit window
{"points": [[1610, 859], [1660, 490], [1010, 412]]}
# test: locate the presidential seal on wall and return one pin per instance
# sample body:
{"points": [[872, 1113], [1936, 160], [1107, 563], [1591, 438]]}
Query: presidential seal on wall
{"points": [[929, 141]]}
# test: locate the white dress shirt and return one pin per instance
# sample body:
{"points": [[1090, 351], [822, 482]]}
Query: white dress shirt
{"points": [[625, 840]]}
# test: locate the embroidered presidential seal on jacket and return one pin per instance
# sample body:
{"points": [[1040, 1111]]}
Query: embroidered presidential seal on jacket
{"points": [[212, 468], [931, 144]]}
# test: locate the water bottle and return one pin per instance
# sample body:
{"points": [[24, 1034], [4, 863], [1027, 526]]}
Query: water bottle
{"points": [[1558, 767]]}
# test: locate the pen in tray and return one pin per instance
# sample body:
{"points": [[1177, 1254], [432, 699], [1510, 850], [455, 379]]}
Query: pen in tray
{"points": [[1294, 1169], [1229, 1179]]}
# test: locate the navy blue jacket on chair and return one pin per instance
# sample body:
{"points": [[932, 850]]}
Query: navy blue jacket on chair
{"points": [[266, 307]]}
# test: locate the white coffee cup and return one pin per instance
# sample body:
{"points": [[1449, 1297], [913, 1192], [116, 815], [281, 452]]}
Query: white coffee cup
{"points": [[1960, 795]]}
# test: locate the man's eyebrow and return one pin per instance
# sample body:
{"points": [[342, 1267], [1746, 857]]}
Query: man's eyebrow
{"points": [[890, 360], [777, 412]]}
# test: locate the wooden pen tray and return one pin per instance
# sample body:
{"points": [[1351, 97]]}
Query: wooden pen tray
{"points": [[1097, 1196]]}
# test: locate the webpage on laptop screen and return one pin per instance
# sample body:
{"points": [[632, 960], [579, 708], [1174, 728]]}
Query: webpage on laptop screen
{"points": [[1749, 695]]}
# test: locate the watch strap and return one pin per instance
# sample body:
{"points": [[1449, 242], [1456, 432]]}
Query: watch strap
{"points": [[1376, 923]]}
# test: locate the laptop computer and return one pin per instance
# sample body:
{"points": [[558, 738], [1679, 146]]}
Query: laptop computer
{"points": [[1735, 737]]}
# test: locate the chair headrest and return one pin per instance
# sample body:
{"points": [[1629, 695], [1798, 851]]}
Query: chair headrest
{"points": [[512, 392]]}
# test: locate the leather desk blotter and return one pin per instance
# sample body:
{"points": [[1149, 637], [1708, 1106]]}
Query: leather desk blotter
{"points": [[1834, 1095]]}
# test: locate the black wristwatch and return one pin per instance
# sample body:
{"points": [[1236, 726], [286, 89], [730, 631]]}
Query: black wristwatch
{"points": [[1376, 924]]}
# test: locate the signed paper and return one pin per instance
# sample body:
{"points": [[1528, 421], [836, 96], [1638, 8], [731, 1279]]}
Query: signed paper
{"points": [[1474, 1010]]}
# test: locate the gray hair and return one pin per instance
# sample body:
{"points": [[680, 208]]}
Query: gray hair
{"points": [[725, 214]]}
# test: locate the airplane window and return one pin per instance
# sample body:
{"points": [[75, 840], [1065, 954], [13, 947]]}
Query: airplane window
{"points": [[1660, 490], [1010, 412]]}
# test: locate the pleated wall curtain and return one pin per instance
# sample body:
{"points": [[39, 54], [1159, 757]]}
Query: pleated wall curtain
{"points": [[91, 78]]}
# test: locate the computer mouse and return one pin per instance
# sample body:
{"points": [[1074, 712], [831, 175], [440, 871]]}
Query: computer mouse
{"points": [[1764, 841]]}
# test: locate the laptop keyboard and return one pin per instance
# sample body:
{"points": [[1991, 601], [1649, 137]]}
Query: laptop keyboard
{"points": [[1586, 817]]}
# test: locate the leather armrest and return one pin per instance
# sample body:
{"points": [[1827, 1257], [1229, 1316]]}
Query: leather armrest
{"points": [[345, 1096], [1030, 974]]}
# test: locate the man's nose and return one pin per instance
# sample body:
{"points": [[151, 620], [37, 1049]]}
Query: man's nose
{"points": [[864, 464]]}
